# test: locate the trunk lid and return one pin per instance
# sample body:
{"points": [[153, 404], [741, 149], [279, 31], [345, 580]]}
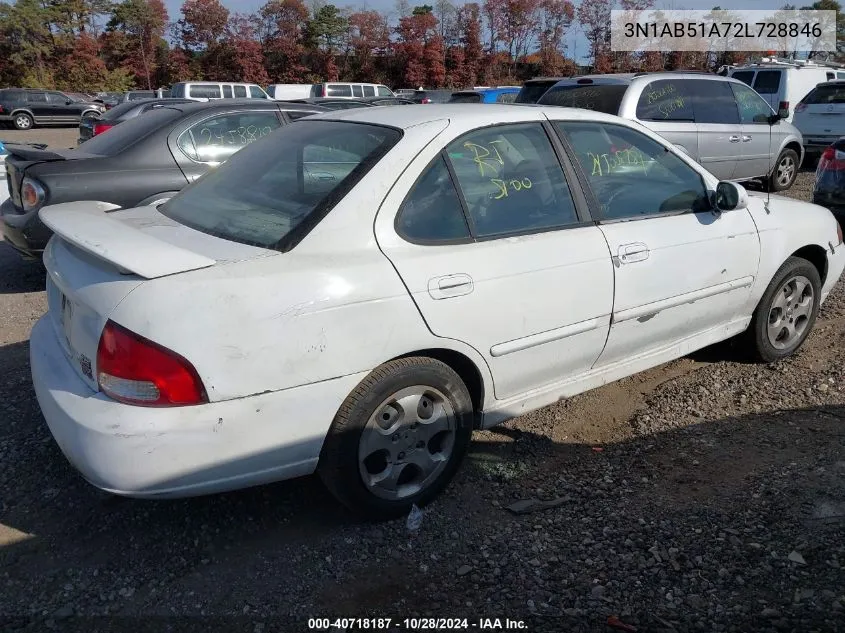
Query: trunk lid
{"points": [[96, 259], [22, 156]]}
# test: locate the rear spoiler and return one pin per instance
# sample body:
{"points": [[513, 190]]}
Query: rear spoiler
{"points": [[37, 152], [87, 226]]}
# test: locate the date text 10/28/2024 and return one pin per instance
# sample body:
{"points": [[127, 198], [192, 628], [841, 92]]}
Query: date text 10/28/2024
{"points": [[416, 624]]}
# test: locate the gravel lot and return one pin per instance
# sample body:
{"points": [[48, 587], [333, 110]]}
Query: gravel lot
{"points": [[707, 494]]}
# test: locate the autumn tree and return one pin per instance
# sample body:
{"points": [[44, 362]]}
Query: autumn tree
{"points": [[325, 33], [555, 17], [242, 57], [282, 33], [201, 29], [142, 22], [594, 16], [369, 39]]}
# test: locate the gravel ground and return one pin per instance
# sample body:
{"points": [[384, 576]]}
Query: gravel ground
{"points": [[707, 494]]}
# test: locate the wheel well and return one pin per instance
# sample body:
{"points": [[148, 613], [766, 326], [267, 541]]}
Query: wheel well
{"points": [[794, 145], [21, 111], [96, 113], [816, 255], [462, 366]]}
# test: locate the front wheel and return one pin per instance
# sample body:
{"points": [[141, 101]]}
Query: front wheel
{"points": [[785, 171], [22, 121], [398, 438], [787, 312]]}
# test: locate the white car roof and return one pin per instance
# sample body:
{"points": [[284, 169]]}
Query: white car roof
{"points": [[469, 114]]}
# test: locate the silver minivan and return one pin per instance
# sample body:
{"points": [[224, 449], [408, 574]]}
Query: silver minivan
{"points": [[720, 122]]}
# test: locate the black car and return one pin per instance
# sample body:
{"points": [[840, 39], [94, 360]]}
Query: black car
{"points": [[533, 89], [829, 189], [430, 96], [90, 126], [25, 108], [142, 161], [387, 101], [331, 103]]}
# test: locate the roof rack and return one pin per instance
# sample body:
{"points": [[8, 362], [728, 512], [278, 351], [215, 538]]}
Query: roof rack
{"points": [[685, 72], [795, 63]]}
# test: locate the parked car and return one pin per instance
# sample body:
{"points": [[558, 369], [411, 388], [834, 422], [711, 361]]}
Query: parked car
{"points": [[108, 99], [208, 90], [350, 90], [4, 191], [533, 89], [429, 96], [719, 121], [387, 101], [80, 97], [25, 108], [289, 91], [331, 298], [820, 116], [141, 161], [332, 103], [137, 95], [485, 95], [829, 187], [92, 126], [783, 83]]}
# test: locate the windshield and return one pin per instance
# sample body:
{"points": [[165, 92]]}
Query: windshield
{"points": [[533, 90], [598, 97], [273, 191], [465, 97]]}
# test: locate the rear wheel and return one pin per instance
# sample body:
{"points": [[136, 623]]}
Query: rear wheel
{"points": [[22, 121], [785, 171], [398, 438], [787, 312]]}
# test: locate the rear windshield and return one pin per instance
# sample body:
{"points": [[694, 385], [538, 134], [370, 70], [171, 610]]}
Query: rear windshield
{"points": [[598, 97], [141, 94], [745, 76], [532, 91], [118, 111], [130, 132], [767, 82], [273, 191], [465, 97], [826, 94]]}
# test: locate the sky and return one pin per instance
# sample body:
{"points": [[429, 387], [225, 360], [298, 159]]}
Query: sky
{"points": [[576, 44]]}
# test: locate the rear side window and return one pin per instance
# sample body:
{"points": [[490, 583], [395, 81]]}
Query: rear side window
{"points": [[767, 82], [240, 92], [286, 183], [826, 94], [532, 91], [216, 139], [12, 95], [227, 92], [598, 97], [36, 97], [357, 91], [465, 97], [369, 91], [713, 102], [745, 76], [338, 90], [511, 180], [205, 92], [666, 100], [177, 90], [432, 212]]}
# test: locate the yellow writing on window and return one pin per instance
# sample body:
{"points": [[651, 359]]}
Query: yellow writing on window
{"points": [[486, 157], [668, 107], [656, 95], [514, 184], [603, 164]]}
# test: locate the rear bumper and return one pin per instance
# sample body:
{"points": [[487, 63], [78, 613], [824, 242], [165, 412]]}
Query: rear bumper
{"points": [[181, 451], [23, 231], [818, 142]]}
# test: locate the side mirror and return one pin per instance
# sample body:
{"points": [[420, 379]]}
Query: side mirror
{"points": [[730, 196]]}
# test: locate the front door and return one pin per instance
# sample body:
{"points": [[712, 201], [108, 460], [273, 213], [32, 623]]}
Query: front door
{"points": [[493, 249], [680, 269]]}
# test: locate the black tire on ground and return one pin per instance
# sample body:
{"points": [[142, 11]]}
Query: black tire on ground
{"points": [[23, 121], [785, 171], [793, 305], [340, 465]]}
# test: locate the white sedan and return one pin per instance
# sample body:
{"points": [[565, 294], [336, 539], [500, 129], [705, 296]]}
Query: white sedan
{"points": [[357, 292]]}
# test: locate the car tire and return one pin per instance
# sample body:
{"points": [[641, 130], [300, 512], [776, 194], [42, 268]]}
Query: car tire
{"points": [[23, 121], [373, 434], [785, 171], [787, 312]]}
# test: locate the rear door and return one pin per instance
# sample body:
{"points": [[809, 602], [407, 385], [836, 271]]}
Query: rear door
{"points": [[821, 114], [206, 140], [39, 106], [758, 139], [767, 84], [492, 246], [665, 106], [719, 130]]}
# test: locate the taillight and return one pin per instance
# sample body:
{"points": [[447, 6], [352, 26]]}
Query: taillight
{"points": [[102, 126], [134, 370], [831, 159], [784, 105], [801, 107], [32, 194], [325, 91], [1, 110], [426, 101]]}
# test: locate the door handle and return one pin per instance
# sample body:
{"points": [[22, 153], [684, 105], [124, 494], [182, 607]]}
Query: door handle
{"points": [[733, 139], [633, 252], [449, 286], [745, 138]]}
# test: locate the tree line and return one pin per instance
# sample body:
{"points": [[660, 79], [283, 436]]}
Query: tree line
{"points": [[104, 45]]}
